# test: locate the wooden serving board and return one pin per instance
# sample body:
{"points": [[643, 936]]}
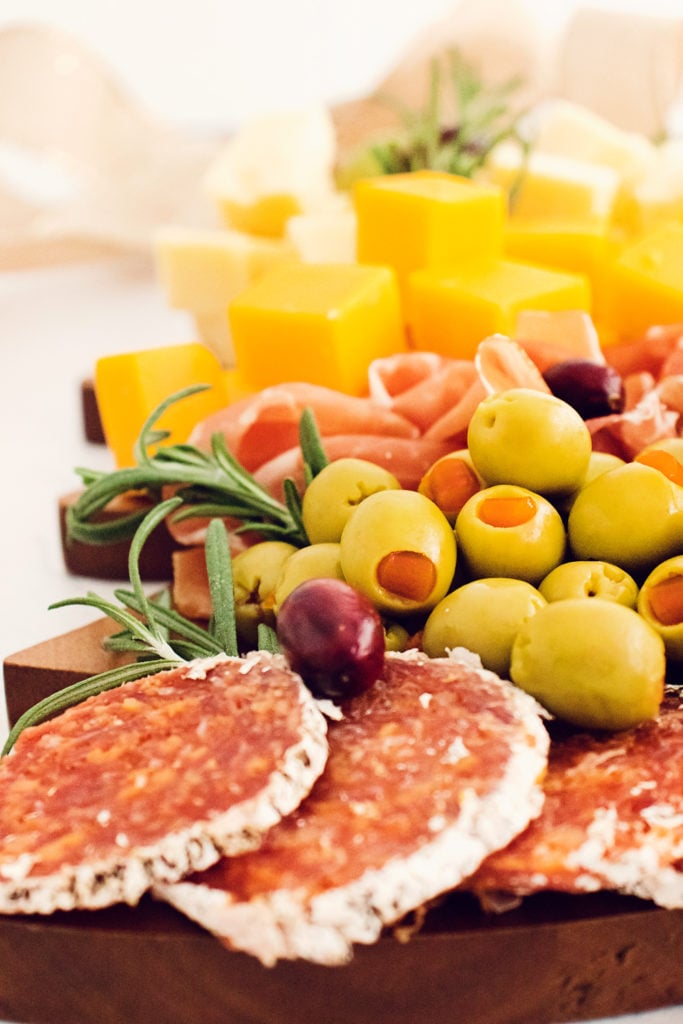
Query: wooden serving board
{"points": [[554, 958]]}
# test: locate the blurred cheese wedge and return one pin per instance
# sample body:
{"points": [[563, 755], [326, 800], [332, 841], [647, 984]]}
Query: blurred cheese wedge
{"points": [[275, 167], [201, 270], [320, 323], [544, 185], [658, 195], [570, 130], [325, 236], [451, 310], [624, 65]]}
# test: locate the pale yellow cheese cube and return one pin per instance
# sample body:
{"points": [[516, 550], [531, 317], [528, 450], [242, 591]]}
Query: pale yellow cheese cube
{"points": [[203, 269], [274, 167], [452, 311], [547, 185], [570, 130], [658, 196], [328, 236]]}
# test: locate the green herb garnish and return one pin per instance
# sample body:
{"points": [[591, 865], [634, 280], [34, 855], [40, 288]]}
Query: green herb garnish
{"points": [[160, 637], [463, 120], [210, 484]]}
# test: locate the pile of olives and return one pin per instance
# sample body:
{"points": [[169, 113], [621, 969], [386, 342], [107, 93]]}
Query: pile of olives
{"points": [[498, 551]]}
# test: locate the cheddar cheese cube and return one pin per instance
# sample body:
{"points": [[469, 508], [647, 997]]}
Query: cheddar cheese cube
{"points": [[427, 219], [201, 270], [578, 247], [325, 236], [647, 282], [321, 323], [451, 311], [129, 386]]}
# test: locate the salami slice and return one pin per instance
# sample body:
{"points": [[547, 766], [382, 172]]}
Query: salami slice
{"points": [[152, 780], [435, 766], [612, 817]]}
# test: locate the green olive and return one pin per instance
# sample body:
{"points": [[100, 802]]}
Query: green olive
{"points": [[255, 573], [660, 602], [484, 616], [529, 438], [396, 637], [509, 531], [672, 445], [450, 481], [596, 664], [599, 463], [399, 550], [631, 516], [336, 491], [590, 579], [317, 561]]}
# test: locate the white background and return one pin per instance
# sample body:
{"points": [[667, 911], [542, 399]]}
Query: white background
{"points": [[214, 62]]}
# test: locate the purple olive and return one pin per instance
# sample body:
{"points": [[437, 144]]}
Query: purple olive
{"points": [[333, 637], [591, 388]]}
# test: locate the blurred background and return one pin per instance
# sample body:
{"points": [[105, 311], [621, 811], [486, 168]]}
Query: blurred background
{"points": [[214, 62]]}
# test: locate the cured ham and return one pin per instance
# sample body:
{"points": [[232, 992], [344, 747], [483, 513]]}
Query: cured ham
{"points": [[154, 779], [612, 818], [437, 764], [261, 426]]}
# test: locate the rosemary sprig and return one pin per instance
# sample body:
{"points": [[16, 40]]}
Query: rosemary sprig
{"points": [[458, 142], [209, 484], [159, 637], [215, 485]]}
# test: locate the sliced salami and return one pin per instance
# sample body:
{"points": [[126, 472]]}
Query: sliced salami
{"points": [[438, 764], [612, 817], [152, 780]]}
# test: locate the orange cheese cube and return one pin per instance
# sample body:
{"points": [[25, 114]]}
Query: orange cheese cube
{"points": [[131, 385], [579, 247], [451, 311], [201, 270], [647, 283], [427, 219], [321, 323]]}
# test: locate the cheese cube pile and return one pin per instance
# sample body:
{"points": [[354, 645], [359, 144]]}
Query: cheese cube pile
{"points": [[301, 281]]}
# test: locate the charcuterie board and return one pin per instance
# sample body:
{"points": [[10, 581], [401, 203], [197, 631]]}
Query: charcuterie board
{"points": [[554, 958]]}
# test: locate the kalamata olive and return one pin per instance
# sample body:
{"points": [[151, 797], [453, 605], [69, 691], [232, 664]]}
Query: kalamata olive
{"points": [[593, 389], [333, 637]]}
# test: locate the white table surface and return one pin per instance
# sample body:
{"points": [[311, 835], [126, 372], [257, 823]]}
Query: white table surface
{"points": [[53, 325]]}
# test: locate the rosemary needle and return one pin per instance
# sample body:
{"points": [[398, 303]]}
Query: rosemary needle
{"points": [[160, 637]]}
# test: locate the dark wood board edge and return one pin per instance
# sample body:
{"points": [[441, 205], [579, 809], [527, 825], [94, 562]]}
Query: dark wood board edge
{"points": [[555, 958]]}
